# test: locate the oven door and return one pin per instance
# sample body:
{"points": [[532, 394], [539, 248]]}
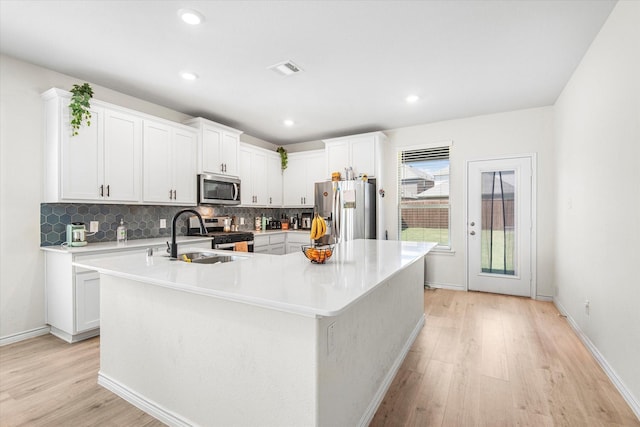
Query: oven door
{"points": [[231, 246], [218, 190]]}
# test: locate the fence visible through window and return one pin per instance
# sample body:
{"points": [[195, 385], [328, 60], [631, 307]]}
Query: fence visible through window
{"points": [[423, 181]]}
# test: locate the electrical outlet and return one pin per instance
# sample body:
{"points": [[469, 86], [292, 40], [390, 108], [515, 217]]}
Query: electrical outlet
{"points": [[163, 223], [587, 307], [241, 220], [94, 226]]}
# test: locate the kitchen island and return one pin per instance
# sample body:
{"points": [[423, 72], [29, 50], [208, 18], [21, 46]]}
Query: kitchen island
{"points": [[264, 340]]}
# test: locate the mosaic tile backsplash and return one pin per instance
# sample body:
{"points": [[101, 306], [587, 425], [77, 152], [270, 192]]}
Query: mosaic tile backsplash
{"points": [[142, 221]]}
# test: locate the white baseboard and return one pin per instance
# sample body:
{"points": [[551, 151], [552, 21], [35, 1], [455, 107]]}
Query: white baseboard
{"points": [[446, 286], [388, 379], [21, 336], [544, 298], [139, 401], [65, 336], [611, 373]]}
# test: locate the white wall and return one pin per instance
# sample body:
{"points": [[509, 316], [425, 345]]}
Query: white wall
{"points": [[598, 210], [482, 137], [21, 185]]}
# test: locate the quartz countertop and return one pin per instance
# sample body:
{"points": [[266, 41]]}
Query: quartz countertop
{"points": [[288, 283], [128, 245]]}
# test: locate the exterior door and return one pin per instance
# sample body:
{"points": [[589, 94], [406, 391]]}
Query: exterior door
{"points": [[499, 226]]}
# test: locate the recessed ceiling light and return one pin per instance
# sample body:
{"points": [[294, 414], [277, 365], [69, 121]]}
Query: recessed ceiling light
{"points": [[188, 75], [411, 99], [288, 122], [286, 68], [190, 16]]}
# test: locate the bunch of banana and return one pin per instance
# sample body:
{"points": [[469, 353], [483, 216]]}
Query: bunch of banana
{"points": [[318, 227]]}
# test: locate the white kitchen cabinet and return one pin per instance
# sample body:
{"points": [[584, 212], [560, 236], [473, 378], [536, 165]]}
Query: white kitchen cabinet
{"points": [[273, 243], [361, 152], [253, 176], [218, 147], [73, 293], [87, 304], [274, 180], [296, 239], [102, 163], [304, 170], [170, 154]]}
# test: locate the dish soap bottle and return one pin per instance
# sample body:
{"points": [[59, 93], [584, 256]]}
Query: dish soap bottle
{"points": [[121, 232]]}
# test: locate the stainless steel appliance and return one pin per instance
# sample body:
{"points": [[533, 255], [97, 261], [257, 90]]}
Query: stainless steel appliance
{"points": [[349, 207], [220, 239], [305, 222], [218, 190], [76, 234]]}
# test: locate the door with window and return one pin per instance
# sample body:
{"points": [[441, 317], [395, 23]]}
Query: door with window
{"points": [[499, 225]]}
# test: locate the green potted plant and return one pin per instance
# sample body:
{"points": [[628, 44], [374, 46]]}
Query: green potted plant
{"points": [[283, 157], [79, 105]]}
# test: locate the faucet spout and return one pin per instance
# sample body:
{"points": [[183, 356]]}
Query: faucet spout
{"points": [[173, 248]]}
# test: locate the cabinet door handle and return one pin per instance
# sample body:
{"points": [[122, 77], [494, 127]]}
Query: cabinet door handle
{"points": [[170, 194], [175, 194], [221, 167], [270, 200], [102, 190], [108, 190], [225, 167]]}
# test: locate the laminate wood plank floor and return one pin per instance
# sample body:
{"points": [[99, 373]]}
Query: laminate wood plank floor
{"points": [[480, 360], [495, 360]]}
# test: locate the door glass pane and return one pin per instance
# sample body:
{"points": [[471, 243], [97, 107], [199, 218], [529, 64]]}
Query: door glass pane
{"points": [[498, 223]]}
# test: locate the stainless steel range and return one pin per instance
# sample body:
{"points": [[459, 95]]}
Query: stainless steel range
{"points": [[224, 240]]}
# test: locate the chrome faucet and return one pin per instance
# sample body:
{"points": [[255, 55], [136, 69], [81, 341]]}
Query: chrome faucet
{"points": [[173, 248]]}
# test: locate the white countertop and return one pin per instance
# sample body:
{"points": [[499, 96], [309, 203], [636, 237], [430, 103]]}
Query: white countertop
{"points": [[128, 245], [286, 282]]}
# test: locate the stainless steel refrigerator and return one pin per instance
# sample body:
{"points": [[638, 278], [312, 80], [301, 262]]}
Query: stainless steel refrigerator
{"points": [[349, 207]]}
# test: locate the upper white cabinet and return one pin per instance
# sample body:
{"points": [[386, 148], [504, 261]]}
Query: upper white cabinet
{"points": [[361, 152], [218, 147], [102, 163], [169, 163], [260, 176], [303, 171], [253, 176], [274, 180]]}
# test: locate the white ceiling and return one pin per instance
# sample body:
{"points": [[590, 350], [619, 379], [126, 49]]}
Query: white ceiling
{"points": [[360, 58]]}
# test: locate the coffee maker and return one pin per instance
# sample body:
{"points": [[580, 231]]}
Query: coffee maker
{"points": [[76, 234], [306, 220]]}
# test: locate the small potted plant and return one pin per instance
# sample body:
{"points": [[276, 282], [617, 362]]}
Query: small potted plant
{"points": [[283, 157], [80, 105]]}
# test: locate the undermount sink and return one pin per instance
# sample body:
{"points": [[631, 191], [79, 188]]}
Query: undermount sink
{"points": [[208, 258]]}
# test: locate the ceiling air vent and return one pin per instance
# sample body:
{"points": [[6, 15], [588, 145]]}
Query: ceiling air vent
{"points": [[286, 68]]}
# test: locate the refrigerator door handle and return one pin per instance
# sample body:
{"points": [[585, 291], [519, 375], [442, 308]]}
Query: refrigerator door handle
{"points": [[336, 212]]}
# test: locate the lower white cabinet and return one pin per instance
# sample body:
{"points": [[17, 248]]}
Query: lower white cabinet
{"points": [[273, 244], [295, 240], [87, 305], [73, 293]]}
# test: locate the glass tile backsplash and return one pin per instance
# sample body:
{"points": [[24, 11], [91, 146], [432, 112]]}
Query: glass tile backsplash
{"points": [[142, 221]]}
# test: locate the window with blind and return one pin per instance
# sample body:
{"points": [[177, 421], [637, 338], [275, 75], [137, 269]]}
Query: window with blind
{"points": [[423, 189]]}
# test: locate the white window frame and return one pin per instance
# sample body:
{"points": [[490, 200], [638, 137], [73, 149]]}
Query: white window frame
{"points": [[443, 249]]}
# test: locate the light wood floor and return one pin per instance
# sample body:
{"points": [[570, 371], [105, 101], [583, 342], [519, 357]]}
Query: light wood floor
{"points": [[481, 359]]}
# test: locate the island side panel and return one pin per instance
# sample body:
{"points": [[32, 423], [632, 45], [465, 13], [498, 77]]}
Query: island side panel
{"points": [[368, 343], [208, 361]]}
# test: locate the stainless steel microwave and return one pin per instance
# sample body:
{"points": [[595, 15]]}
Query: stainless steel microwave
{"points": [[218, 190]]}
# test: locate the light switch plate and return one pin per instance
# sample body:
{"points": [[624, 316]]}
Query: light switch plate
{"points": [[94, 226]]}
